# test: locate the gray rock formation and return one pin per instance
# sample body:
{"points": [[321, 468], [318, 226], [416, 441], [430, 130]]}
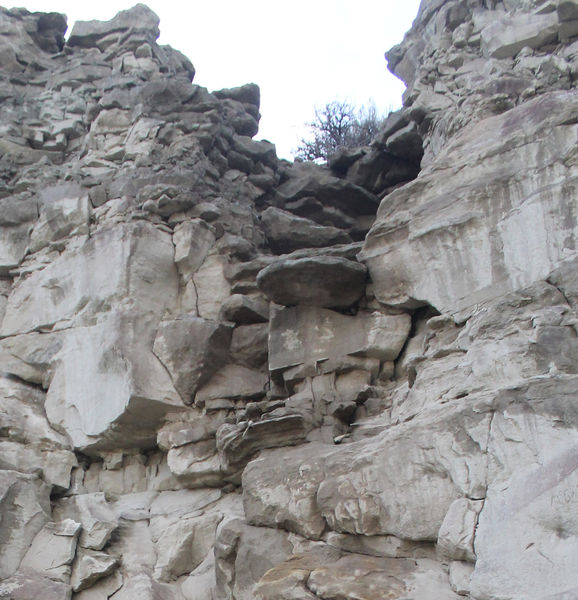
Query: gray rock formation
{"points": [[225, 377]]}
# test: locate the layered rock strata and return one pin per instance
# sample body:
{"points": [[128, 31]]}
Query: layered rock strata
{"points": [[224, 376]]}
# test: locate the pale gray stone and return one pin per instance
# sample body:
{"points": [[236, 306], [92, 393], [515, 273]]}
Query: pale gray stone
{"points": [[64, 212], [460, 574], [211, 286], [115, 356], [506, 37], [432, 419], [89, 567], [243, 554], [103, 588], [53, 549], [456, 535], [95, 515], [235, 382], [529, 511], [381, 545], [192, 350], [309, 335], [197, 464], [321, 574], [192, 239], [85, 34], [279, 490], [28, 584], [30, 356], [183, 546], [480, 258], [130, 265], [25, 509]]}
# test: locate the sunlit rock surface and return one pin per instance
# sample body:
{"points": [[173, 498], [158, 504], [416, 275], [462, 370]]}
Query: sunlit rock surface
{"points": [[228, 377]]}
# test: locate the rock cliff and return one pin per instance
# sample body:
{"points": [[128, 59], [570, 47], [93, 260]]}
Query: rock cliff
{"points": [[228, 377]]}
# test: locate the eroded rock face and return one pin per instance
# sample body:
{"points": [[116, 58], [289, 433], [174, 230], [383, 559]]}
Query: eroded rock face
{"points": [[478, 227], [189, 413]]}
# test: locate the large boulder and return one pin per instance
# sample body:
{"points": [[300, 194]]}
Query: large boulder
{"points": [[309, 336], [86, 34], [127, 266], [104, 374], [326, 281]]}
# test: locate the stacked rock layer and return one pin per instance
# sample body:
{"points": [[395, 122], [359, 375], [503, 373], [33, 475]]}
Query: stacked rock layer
{"points": [[228, 377]]}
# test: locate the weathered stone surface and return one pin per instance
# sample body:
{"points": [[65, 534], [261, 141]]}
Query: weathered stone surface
{"points": [[248, 93], [64, 212], [460, 574], [235, 382], [94, 514], [238, 443], [200, 584], [183, 546], [192, 239], [321, 575], [197, 464], [327, 281], [309, 335], [28, 584], [86, 34], [116, 356], [310, 180], [370, 578], [130, 266], [249, 345], [354, 495], [456, 535], [53, 550], [89, 567], [25, 508], [28, 443], [534, 516], [279, 490], [387, 546], [286, 232], [506, 37], [477, 248], [29, 356], [245, 310], [192, 350], [13, 247], [418, 444], [243, 554], [103, 588], [211, 288]]}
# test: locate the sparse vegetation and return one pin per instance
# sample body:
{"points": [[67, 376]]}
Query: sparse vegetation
{"points": [[339, 124]]}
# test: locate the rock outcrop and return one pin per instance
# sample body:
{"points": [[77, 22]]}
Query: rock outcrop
{"points": [[228, 377]]}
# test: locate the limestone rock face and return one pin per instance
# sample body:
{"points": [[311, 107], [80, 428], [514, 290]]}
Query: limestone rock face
{"points": [[472, 231], [228, 377]]}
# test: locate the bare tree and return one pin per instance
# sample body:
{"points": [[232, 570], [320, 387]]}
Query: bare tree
{"points": [[339, 124]]}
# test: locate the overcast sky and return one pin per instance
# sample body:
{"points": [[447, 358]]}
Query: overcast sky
{"points": [[302, 53]]}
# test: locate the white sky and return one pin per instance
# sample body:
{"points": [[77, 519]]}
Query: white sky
{"points": [[302, 53]]}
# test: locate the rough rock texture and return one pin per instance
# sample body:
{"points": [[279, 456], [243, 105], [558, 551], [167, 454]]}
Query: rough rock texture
{"points": [[228, 377]]}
